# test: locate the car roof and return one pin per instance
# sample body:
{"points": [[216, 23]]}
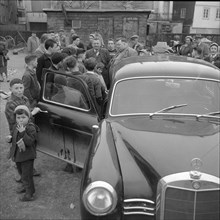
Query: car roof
{"points": [[165, 65]]}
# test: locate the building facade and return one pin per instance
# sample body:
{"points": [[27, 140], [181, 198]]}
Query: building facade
{"points": [[109, 23], [206, 18], [183, 11], [12, 15]]}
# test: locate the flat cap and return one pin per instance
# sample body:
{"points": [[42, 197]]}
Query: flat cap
{"points": [[198, 36], [134, 36]]}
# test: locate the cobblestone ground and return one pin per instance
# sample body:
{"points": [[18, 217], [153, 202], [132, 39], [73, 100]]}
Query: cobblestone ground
{"points": [[56, 190]]}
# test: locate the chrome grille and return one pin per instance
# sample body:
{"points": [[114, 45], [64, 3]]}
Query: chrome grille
{"points": [[183, 198], [139, 207], [191, 205]]}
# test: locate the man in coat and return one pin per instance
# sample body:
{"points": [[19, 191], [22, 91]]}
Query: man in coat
{"points": [[203, 46], [123, 51], [101, 55], [33, 43], [135, 44]]}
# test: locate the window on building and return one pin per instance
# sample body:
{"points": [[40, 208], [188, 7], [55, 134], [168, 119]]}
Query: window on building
{"points": [[218, 13], [206, 13], [183, 13], [76, 24]]}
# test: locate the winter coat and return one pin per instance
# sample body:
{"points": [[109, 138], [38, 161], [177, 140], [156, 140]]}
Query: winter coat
{"points": [[32, 44], [12, 102], [31, 86], [29, 137]]}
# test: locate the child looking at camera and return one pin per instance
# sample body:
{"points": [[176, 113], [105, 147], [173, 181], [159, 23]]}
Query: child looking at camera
{"points": [[17, 98], [23, 150]]}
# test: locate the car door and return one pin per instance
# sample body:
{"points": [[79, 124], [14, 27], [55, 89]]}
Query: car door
{"points": [[67, 117]]}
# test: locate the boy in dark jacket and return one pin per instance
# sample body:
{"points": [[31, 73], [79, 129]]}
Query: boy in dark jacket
{"points": [[23, 150], [31, 84]]}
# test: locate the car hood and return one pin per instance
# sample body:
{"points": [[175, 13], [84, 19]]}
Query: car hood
{"points": [[153, 148]]}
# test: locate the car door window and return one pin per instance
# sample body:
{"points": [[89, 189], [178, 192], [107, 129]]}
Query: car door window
{"points": [[64, 90]]}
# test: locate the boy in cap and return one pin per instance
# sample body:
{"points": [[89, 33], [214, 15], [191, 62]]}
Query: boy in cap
{"points": [[17, 98], [23, 150], [30, 82], [214, 56], [135, 44]]}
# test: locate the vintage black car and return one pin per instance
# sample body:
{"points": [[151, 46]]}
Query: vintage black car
{"points": [[156, 153], [152, 152]]}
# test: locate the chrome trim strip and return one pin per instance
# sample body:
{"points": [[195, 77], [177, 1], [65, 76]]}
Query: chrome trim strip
{"points": [[63, 105], [194, 207], [139, 200], [138, 207], [150, 77], [138, 213], [192, 190], [186, 176]]}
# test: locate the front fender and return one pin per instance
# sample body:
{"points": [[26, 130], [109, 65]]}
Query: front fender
{"points": [[102, 153]]}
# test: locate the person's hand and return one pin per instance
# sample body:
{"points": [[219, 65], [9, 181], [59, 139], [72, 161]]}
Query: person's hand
{"points": [[35, 111], [20, 128], [8, 138], [21, 145]]}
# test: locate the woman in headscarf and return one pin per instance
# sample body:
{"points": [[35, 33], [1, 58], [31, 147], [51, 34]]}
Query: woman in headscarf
{"points": [[187, 48]]}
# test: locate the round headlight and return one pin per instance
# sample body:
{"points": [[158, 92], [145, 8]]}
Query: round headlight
{"points": [[100, 198]]}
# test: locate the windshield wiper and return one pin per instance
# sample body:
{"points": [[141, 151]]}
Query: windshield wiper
{"points": [[208, 114], [168, 108], [213, 113]]}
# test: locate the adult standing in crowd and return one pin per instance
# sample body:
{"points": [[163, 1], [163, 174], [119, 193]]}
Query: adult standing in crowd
{"points": [[123, 51], [45, 60], [80, 56], [3, 61], [101, 55], [203, 46], [135, 44], [91, 38], [197, 52], [33, 43], [75, 42], [214, 56], [72, 33], [187, 48], [111, 48], [62, 38], [71, 38], [41, 49]]}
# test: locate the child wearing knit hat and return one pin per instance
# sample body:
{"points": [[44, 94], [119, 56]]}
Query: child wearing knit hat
{"points": [[23, 150]]}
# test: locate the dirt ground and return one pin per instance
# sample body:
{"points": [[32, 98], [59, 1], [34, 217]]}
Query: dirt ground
{"points": [[57, 192]]}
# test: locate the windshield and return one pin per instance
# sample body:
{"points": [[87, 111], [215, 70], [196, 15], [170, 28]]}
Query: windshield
{"points": [[149, 95]]}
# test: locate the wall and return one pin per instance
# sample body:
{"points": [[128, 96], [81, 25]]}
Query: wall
{"points": [[205, 26], [109, 24]]}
